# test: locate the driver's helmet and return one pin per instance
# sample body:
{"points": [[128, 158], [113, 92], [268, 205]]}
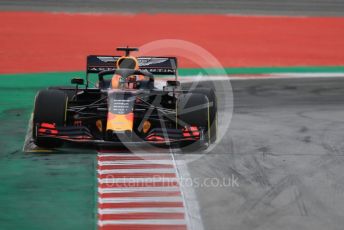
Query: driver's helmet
{"points": [[126, 62]]}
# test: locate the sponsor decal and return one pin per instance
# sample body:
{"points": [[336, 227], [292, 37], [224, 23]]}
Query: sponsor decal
{"points": [[151, 61]]}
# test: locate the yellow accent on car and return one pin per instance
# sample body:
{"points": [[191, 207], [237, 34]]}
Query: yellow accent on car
{"points": [[99, 125], [146, 126], [120, 122]]}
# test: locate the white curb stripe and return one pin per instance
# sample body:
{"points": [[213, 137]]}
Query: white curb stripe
{"points": [[134, 181], [146, 221], [136, 206], [143, 155], [124, 171], [132, 162]]}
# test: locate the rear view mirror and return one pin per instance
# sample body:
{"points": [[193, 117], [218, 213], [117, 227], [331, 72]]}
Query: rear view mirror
{"points": [[77, 81]]}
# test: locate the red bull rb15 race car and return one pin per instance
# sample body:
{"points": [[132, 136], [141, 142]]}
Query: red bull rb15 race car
{"points": [[123, 106]]}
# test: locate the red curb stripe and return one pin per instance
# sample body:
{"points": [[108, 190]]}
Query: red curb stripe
{"points": [[139, 194], [139, 197], [142, 205], [139, 184], [137, 175], [135, 166], [143, 227], [136, 216]]}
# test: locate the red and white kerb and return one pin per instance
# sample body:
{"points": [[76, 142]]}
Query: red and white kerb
{"points": [[139, 192]]}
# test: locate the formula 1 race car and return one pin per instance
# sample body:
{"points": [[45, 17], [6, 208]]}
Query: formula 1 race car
{"points": [[125, 107]]}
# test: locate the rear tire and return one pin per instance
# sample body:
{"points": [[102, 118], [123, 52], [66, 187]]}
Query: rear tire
{"points": [[50, 107]]}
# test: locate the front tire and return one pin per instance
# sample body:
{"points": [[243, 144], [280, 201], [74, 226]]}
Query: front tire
{"points": [[193, 110], [210, 94], [50, 107]]}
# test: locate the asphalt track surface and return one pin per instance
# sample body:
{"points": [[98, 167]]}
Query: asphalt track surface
{"points": [[262, 7], [285, 146]]}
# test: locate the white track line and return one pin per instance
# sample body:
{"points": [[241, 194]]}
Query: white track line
{"points": [[187, 79], [193, 214]]}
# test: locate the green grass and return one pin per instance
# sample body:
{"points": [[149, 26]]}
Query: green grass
{"points": [[41, 79], [40, 191]]}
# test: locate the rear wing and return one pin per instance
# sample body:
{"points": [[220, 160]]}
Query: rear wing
{"points": [[155, 65]]}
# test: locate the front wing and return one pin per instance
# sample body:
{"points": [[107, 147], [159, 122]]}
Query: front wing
{"points": [[81, 134]]}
